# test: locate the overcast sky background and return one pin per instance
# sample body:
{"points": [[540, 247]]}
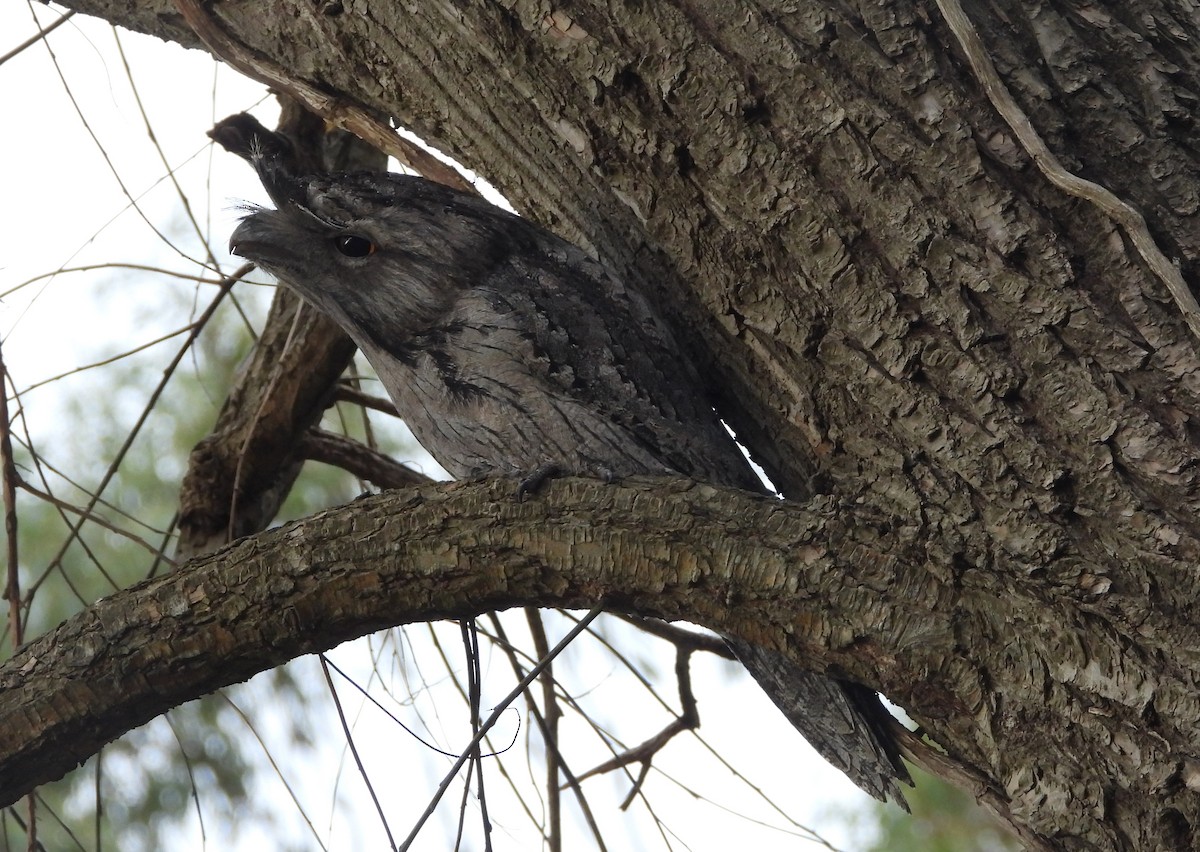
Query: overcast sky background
{"points": [[64, 207]]}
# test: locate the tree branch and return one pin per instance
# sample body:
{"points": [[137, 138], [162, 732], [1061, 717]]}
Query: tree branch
{"points": [[667, 549], [367, 464], [337, 111]]}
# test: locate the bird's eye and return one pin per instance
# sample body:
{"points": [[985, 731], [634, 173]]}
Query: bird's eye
{"points": [[352, 245]]}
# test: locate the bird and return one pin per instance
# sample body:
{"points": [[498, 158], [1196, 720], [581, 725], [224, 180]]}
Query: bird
{"points": [[509, 351]]}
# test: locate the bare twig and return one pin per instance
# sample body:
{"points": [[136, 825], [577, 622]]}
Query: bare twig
{"points": [[224, 694], [109, 265], [192, 785], [687, 720], [340, 113], [681, 637], [20, 823], [198, 326], [571, 782], [389, 713], [112, 359], [108, 160], [354, 750], [170, 171], [493, 718], [470, 636], [38, 36], [12, 586], [99, 520], [8, 470], [346, 393], [359, 459], [549, 729]]}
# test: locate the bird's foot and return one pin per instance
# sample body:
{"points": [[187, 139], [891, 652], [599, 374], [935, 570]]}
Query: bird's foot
{"points": [[537, 479]]}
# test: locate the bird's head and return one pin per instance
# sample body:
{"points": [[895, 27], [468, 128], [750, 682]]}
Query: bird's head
{"points": [[385, 255]]}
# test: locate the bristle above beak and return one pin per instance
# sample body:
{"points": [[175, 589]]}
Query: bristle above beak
{"points": [[281, 183]]}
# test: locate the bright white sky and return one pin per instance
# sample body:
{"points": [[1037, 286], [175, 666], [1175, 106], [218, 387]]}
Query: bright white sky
{"points": [[64, 206]]}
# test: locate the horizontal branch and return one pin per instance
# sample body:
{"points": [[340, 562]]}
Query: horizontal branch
{"points": [[770, 572]]}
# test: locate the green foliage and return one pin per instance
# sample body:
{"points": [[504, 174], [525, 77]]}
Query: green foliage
{"points": [[944, 819]]}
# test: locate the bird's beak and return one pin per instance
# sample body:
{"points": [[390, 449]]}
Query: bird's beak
{"points": [[252, 238]]}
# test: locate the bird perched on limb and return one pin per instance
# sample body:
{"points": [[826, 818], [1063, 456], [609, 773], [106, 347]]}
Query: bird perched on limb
{"points": [[507, 350]]}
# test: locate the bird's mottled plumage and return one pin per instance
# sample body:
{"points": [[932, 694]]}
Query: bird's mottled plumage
{"points": [[507, 349]]}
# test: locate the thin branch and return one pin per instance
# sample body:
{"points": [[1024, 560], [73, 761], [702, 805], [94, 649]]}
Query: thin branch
{"points": [[493, 718], [92, 267], [549, 726], [389, 713], [348, 116], [681, 637], [365, 463], [98, 520], [687, 720], [193, 787], [162, 156], [341, 713], [43, 465], [477, 694], [198, 326], [108, 160], [804, 831], [345, 393], [8, 470], [470, 638], [274, 765], [38, 36], [112, 359], [572, 782]]}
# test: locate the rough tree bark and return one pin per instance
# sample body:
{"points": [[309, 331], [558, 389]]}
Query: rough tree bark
{"points": [[901, 309]]}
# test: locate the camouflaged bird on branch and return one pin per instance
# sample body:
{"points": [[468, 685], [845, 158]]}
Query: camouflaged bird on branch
{"points": [[509, 351]]}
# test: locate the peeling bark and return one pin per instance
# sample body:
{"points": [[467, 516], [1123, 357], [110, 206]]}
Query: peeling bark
{"points": [[899, 309]]}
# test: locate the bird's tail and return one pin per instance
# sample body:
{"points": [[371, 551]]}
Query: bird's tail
{"points": [[845, 722]]}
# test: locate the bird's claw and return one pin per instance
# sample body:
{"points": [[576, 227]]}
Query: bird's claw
{"points": [[537, 479]]}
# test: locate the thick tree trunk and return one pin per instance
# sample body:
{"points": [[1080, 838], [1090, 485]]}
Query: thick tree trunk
{"points": [[901, 308]]}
